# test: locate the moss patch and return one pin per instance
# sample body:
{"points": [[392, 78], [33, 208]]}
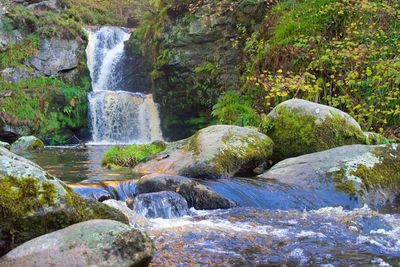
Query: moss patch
{"points": [[295, 134], [29, 209], [385, 174], [130, 156]]}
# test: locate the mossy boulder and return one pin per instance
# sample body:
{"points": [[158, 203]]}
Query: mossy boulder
{"points": [[197, 195], [213, 152], [27, 143], [300, 127], [349, 176], [91, 243], [33, 203], [5, 145]]}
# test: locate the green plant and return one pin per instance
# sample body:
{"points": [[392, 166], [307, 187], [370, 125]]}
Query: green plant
{"points": [[130, 156]]}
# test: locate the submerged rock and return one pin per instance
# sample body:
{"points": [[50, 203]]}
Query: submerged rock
{"points": [[34, 203], [213, 152], [27, 143], [366, 174], [91, 243], [198, 196], [163, 204], [300, 127]]}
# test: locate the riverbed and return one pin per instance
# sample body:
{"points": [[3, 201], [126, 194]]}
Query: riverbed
{"points": [[270, 226]]}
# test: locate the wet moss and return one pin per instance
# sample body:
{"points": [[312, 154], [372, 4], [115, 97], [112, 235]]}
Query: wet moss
{"points": [[385, 174], [296, 134], [343, 185]]}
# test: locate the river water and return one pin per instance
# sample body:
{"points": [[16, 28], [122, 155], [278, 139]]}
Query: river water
{"points": [[265, 230]]}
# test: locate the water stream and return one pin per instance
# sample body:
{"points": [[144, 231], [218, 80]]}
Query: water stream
{"points": [[265, 230], [118, 114]]}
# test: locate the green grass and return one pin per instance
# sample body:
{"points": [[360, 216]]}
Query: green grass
{"points": [[130, 156]]}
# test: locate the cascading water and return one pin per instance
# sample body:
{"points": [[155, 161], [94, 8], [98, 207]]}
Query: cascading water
{"points": [[116, 115]]}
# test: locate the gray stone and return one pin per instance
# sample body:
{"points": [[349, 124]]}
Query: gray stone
{"points": [[50, 5], [367, 174], [134, 218], [16, 74], [165, 204], [5, 145], [196, 195], [27, 143], [56, 55], [35, 203], [213, 152], [91, 243]]}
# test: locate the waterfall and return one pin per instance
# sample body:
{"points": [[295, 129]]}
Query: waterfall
{"points": [[117, 115]]}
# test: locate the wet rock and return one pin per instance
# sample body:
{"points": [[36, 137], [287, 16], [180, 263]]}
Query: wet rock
{"points": [[5, 145], [91, 191], [163, 204], [213, 152], [56, 55], [198, 196], [34, 203], [91, 243], [27, 143], [134, 218], [367, 174], [300, 127]]}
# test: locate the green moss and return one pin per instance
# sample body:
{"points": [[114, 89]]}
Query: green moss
{"points": [[385, 174], [341, 184], [47, 106], [295, 134], [130, 156]]}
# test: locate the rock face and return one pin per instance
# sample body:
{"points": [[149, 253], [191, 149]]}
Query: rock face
{"points": [[27, 143], [366, 174], [213, 152], [56, 55], [300, 127], [91, 243], [34, 203], [198, 54], [163, 204], [196, 195]]}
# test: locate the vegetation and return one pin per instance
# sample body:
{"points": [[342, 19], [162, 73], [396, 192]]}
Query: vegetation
{"points": [[130, 156], [46, 106], [342, 53]]}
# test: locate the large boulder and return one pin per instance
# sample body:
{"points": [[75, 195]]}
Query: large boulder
{"points": [[91, 243], [213, 152], [360, 174], [56, 55], [300, 127], [33, 203], [27, 143], [196, 195], [165, 204]]}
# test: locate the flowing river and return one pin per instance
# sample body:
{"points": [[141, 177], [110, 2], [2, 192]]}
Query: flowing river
{"points": [[265, 230]]}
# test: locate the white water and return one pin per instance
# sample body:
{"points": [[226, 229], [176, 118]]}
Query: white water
{"points": [[117, 116]]}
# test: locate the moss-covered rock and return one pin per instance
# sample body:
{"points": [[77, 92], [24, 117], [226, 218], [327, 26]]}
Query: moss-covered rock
{"points": [[5, 145], [349, 176], [33, 203], [213, 152], [27, 143], [91, 243], [300, 127]]}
